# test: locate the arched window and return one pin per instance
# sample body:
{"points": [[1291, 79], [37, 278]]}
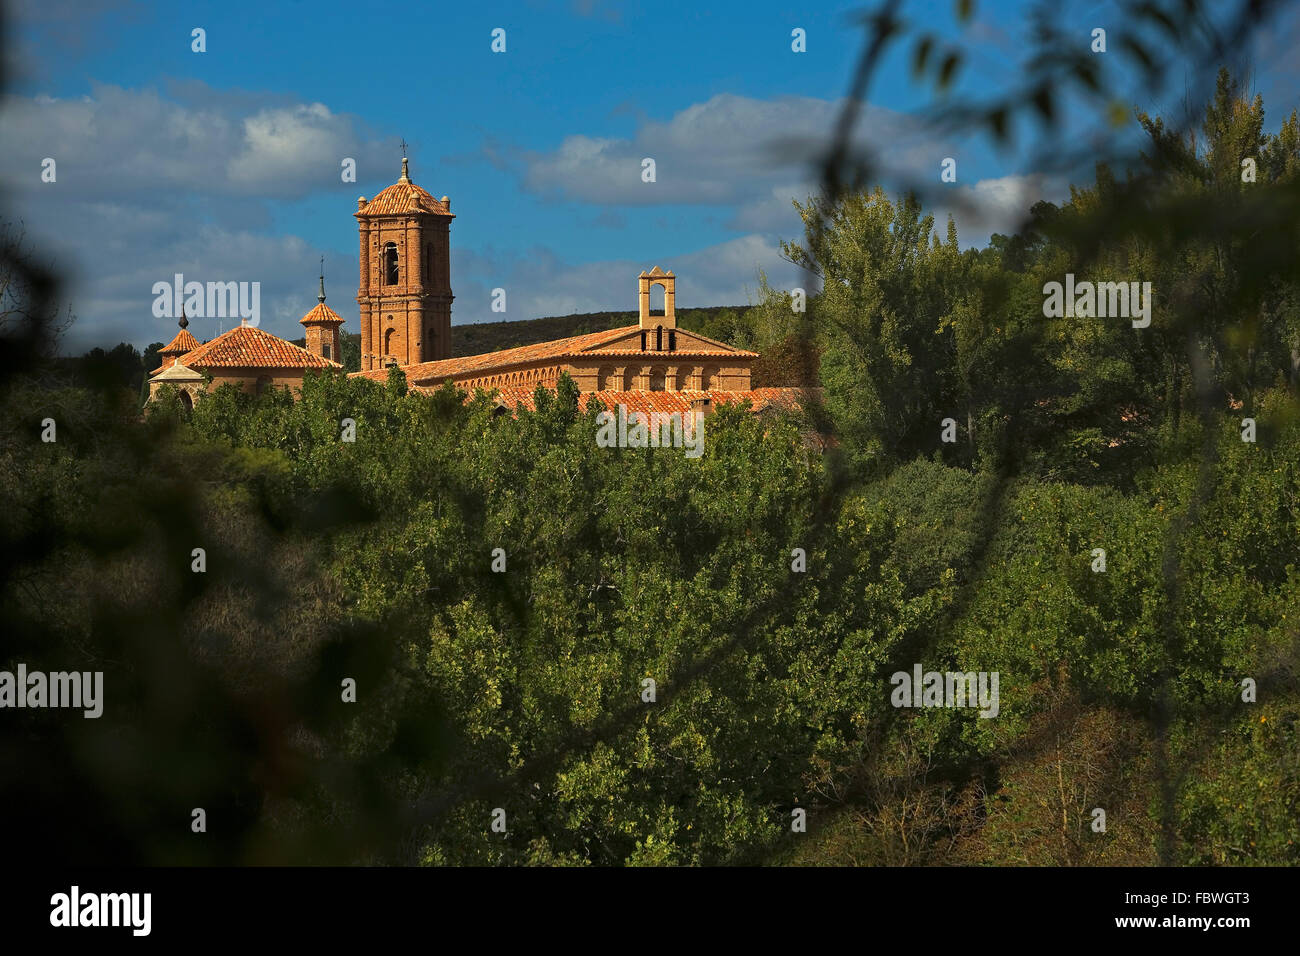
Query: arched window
{"points": [[390, 264], [658, 291], [643, 341], [388, 342], [672, 340], [187, 403], [659, 338], [658, 379]]}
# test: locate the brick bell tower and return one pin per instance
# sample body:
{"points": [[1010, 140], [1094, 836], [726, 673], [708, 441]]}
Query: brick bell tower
{"points": [[405, 294]]}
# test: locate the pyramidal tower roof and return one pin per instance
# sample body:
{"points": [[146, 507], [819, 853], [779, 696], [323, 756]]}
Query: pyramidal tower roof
{"points": [[403, 198], [322, 314]]}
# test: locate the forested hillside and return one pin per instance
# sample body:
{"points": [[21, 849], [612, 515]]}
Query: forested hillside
{"points": [[629, 656]]}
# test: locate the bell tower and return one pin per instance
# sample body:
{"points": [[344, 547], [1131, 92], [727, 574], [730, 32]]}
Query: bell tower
{"points": [[321, 326], [404, 296], [666, 280]]}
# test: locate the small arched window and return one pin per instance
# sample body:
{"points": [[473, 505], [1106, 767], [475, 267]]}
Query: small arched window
{"points": [[642, 341], [390, 264], [672, 340], [388, 342], [659, 338]]}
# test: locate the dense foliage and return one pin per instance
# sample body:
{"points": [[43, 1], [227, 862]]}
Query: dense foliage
{"points": [[517, 679]]}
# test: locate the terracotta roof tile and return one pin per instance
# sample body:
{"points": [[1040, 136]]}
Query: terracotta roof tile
{"points": [[676, 353], [184, 342], [401, 198], [459, 367], [322, 313], [245, 346], [432, 373]]}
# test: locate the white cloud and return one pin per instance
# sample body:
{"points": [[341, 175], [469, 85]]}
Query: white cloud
{"points": [[110, 253], [995, 205], [756, 156], [117, 142], [716, 152], [149, 185]]}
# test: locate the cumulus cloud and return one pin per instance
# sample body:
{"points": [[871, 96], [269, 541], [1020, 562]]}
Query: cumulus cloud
{"points": [[754, 157], [118, 141], [150, 184], [110, 253], [713, 152], [996, 205]]}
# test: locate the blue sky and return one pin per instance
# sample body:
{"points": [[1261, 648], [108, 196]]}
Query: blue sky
{"points": [[225, 165]]}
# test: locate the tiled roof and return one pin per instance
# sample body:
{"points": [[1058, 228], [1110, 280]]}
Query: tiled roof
{"points": [[634, 346], [245, 346], [573, 347], [666, 401], [676, 353], [184, 342], [401, 198], [322, 313], [523, 355]]}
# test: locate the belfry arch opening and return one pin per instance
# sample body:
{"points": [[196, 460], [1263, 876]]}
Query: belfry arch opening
{"points": [[657, 292], [390, 264]]}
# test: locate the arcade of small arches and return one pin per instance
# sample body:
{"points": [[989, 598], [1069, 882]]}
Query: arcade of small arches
{"points": [[525, 377], [617, 378]]}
